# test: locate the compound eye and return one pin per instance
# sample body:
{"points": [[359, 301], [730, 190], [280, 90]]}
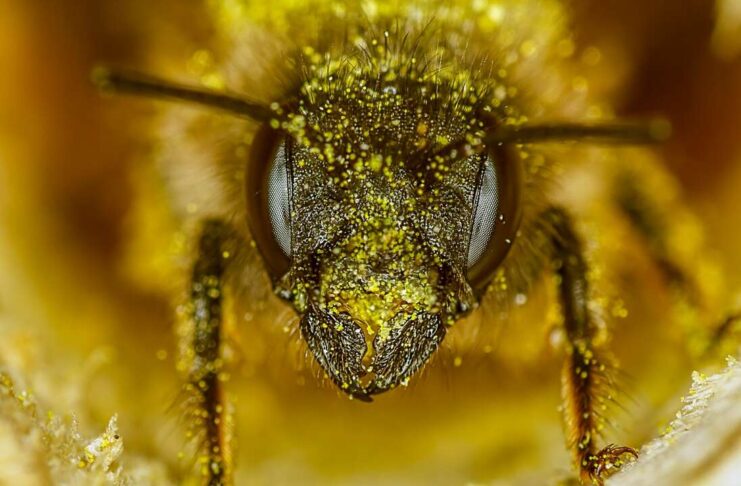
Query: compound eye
{"points": [[485, 213], [496, 215], [269, 194], [279, 198]]}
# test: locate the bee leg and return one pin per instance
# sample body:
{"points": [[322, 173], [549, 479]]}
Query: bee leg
{"points": [[641, 195], [725, 337], [656, 219], [206, 403], [586, 386]]}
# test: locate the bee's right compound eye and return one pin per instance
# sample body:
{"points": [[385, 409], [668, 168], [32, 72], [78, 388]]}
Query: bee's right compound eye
{"points": [[279, 197], [268, 190]]}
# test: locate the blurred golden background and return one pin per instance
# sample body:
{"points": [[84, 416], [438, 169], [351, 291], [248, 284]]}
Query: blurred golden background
{"points": [[88, 332]]}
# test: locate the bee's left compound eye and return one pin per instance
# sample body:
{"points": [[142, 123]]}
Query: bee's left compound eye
{"points": [[268, 185]]}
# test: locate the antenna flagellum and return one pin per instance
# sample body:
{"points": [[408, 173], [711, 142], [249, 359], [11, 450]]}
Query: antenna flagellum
{"points": [[134, 83], [628, 133]]}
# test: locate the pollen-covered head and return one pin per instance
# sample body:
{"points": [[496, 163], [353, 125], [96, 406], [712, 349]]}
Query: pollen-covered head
{"points": [[377, 267], [381, 201], [383, 283]]}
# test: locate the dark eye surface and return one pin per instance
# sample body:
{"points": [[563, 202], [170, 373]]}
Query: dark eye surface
{"points": [[485, 212], [496, 216], [279, 198], [268, 192]]}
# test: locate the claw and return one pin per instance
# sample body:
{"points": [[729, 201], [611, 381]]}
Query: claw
{"points": [[608, 461]]}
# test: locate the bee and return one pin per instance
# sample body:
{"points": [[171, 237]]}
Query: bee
{"points": [[394, 163]]}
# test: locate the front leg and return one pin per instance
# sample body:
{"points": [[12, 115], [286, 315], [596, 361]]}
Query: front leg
{"points": [[206, 404], [586, 386]]}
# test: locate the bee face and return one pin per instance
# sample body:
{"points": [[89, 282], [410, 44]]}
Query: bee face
{"points": [[376, 199]]}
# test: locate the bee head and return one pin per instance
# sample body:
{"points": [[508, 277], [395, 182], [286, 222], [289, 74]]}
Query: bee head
{"points": [[377, 208]]}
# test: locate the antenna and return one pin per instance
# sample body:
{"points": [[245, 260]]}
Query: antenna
{"points": [[134, 83], [650, 131]]}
